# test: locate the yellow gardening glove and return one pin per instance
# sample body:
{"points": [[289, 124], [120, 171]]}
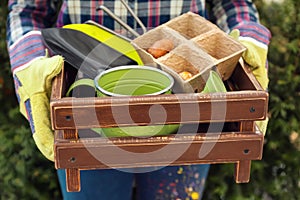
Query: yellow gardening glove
{"points": [[256, 57], [34, 88]]}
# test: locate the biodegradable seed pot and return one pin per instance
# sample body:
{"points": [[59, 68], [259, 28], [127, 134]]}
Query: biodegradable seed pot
{"points": [[135, 80]]}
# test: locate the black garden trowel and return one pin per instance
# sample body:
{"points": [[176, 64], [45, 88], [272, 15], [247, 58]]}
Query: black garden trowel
{"points": [[84, 52]]}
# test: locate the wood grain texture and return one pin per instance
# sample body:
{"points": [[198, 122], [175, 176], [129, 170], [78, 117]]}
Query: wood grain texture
{"points": [[88, 153], [241, 107]]}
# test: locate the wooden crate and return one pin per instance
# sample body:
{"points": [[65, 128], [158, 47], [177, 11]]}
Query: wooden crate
{"points": [[239, 141]]}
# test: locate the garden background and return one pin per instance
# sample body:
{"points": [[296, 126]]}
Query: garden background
{"points": [[26, 174]]}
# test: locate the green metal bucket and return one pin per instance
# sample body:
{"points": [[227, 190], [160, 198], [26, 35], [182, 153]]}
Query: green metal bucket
{"points": [[135, 80]]}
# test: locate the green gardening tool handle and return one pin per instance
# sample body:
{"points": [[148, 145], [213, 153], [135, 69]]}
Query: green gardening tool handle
{"points": [[81, 82]]}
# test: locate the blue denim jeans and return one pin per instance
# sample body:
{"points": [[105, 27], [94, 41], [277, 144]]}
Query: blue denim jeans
{"points": [[168, 183]]}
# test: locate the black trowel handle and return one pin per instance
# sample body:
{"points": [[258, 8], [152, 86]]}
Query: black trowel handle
{"points": [[83, 52]]}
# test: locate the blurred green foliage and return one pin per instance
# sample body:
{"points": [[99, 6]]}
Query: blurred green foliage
{"points": [[26, 174], [277, 175]]}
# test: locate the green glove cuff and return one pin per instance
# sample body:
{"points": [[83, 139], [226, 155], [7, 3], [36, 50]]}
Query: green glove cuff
{"points": [[262, 125], [255, 56], [35, 84], [43, 135]]}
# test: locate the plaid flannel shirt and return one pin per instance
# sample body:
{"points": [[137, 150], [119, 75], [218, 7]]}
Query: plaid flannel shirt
{"points": [[27, 17]]}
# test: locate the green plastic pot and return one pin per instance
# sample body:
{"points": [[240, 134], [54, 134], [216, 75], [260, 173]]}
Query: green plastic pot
{"points": [[214, 83]]}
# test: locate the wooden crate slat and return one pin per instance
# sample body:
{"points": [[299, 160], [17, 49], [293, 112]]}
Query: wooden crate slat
{"points": [[87, 153], [70, 113]]}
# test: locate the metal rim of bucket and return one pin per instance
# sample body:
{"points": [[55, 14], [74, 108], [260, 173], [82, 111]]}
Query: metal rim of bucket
{"points": [[133, 67]]}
